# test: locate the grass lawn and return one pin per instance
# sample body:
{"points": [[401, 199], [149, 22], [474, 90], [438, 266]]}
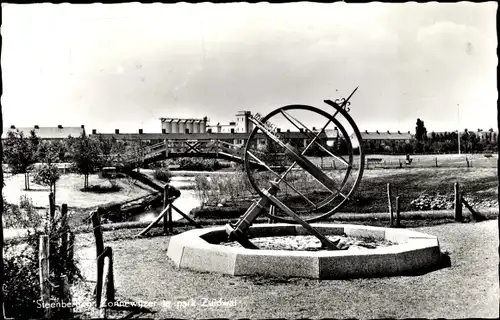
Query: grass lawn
{"points": [[479, 183], [143, 273], [68, 190]]}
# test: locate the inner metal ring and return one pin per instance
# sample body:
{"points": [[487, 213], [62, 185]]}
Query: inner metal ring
{"points": [[329, 199]]}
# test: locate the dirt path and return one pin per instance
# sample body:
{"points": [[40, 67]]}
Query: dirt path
{"points": [[469, 288]]}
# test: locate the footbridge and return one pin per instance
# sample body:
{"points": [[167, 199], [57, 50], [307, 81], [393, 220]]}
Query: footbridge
{"points": [[193, 148]]}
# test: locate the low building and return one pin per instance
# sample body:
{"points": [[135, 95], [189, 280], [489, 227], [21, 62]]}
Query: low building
{"points": [[375, 141], [47, 133]]}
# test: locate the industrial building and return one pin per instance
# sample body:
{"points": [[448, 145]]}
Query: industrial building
{"points": [[241, 125], [176, 125]]}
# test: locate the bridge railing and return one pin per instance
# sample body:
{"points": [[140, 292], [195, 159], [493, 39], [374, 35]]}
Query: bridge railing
{"points": [[193, 146]]}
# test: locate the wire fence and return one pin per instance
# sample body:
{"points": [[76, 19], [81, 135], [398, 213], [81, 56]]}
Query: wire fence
{"points": [[415, 161]]}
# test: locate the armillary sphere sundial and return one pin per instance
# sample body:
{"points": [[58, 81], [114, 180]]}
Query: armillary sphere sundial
{"points": [[297, 189]]}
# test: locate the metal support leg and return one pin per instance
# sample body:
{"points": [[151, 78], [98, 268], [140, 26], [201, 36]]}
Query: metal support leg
{"points": [[325, 243], [238, 231]]}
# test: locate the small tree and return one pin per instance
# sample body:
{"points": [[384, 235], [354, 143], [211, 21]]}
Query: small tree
{"points": [[85, 156], [47, 175], [133, 157], [105, 149], [34, 142], [20, 153]]}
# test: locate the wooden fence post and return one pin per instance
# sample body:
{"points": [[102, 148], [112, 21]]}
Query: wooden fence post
{"points": [[476, 216], [170, 220], [64, 297], [71, 243], [53, 241], [398, 220], [52, 208], [165, 204], [271, 213], [389, 197], [64, 236], [102, 304], [108, 294], [64, 292], [43, 261], [109, 280], [458, 203], [99, 244]]}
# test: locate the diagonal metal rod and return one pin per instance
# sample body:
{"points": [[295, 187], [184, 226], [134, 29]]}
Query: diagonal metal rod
{"points": [[278, 175], [279, 142], [304, 151], [288, 116]]}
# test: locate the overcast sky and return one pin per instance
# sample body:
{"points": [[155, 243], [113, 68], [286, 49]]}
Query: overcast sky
{"points": [[126, 65]]}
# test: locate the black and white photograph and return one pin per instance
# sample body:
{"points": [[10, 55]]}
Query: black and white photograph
{"points": [[249, 161]]}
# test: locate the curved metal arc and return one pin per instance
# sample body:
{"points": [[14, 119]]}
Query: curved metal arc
{"points": [[328, 116]]}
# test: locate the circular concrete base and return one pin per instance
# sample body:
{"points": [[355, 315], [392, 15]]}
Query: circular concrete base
{"points": [[199, 249]]}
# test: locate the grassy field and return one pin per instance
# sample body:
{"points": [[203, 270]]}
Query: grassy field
{"points": [[143, 273], [419, 161], [478, 183]]}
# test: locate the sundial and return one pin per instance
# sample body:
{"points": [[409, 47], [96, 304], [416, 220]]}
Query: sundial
{"points": [[293, 183]]}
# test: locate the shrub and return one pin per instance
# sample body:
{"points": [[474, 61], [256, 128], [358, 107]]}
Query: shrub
{"points": [[47, 175], [428, 202], [202, 188], [221, 188], [22, 283], [163, 174], [200, 164]]}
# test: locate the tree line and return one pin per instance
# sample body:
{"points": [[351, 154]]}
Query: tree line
{"points": [[87, 155], [421, 143], [447, 142]]}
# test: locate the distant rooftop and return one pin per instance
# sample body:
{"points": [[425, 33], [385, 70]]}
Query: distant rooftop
{"points": [[58, 132], [385, 135], [183, 119]]}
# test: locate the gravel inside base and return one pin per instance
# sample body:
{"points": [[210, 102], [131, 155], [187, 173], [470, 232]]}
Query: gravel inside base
{"points": [[311, 243]]}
